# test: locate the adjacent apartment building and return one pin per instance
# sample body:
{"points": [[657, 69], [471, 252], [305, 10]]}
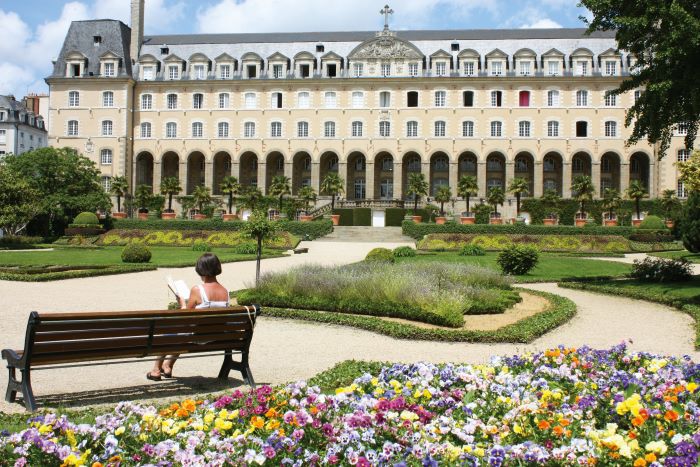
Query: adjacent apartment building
{"points": [[21, 128], [371, 106]]}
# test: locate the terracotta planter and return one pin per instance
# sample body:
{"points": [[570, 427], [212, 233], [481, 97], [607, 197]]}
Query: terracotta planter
{"points": [[417, 219], [335, 218], [581, 222], [143, 216], [669, 224], [610, 222], [119, 215], [467, 220], [199, 217], [636, 222], [167, 215], [440, 220], [496, 221], [305, 218], [230, 217], [549, 221]]}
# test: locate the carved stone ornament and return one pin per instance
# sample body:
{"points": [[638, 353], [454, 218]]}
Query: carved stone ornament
{"points": [[385, 46]]}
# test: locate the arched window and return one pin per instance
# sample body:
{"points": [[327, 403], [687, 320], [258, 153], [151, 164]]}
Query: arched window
{"points": [[251, 100], [524, 129], [467, 164], [73, 128], [172, 101], [496, 129], [223, 129], [332, 164], [414, 164], [441, 164], [197, 129], [306, 164], [106, 157], [224, 100], [577, 164], [524, 98], [552, 129], [494, 164], [521, 164], [468, 129], [249, 130], [385, 129], [108, 99], [145, 130], [330, 100], [412, 129], [358, 99], [360, 164], [440, 98], [387, 164], [73, 99], [146, 102], [171, 130], [302, 129], [107, 127], [440, 129], [276, 129], [357, 129], [303, 100], [581, 98], [329, 130]]}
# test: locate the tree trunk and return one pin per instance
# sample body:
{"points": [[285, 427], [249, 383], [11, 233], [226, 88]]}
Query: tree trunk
{"points": [[170, 201], [637, 204], [495, 209], [467, 199], [332, 203], [280, 203], [415, 203], [442, 209], [517, 204], [257, 261], [119, 204], [582, 208], [230, 203]]}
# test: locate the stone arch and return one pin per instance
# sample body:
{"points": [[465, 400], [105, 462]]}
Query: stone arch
{"points": [[383, 175], [169, 165], [552, 172], [329, 163], [609, 171], [524, 167], [222, 168], [274, 166], [495, 170], [412, 163], [196, 163], [640, 167], [248, 169], [143, 171], [357, 176], [301, 171], [439, 171]]}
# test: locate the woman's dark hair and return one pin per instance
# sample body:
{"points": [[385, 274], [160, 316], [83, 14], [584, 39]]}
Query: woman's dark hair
{"points": [[208, 265]]}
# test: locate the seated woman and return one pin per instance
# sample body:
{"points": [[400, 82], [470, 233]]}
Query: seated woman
{"points": [[210, 294]]}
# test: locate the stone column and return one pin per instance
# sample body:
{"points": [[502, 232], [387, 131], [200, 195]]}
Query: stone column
{"points": [[315, 176], [262, 177], [624, 177], [425, 170], [453, 180], [182, 175], [369, 180], [510, 174], [481, 178], [398, 180], [236, 170], [209, 175], [566, 180], [653, 190], [157, 174], [343, 174], [538, 180], [595, 175], [289, 170]]}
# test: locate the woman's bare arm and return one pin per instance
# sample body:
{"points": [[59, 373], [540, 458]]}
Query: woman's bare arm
{"points": [[193, 301]]}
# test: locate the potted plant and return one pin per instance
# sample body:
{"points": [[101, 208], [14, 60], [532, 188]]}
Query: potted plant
{"points": [[280, 186], [170, 187], [230, 186], [496, 197], [332, 185], [518, 187], [466, 188], [583, 190], [611, 201], [142, 196], [669, 203], [442, 196], [636, 192], [550, 201], [417, 187], [306, 195], [119, 188], [201, 196]]}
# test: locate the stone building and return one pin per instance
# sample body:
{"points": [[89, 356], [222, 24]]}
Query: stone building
{"points": [[21, 129], [372, 106]]}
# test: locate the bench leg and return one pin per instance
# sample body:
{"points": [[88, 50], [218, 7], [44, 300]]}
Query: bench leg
{"points": [[25, 386], [12, 385], [226, 366], [241, 366]]}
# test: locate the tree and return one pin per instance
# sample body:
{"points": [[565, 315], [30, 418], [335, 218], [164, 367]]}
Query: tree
{"points": [[583, 190], [636, 192], [307, 195], [253, 199], [418, 187], [690, 172], [669, 202], [496, 197], [519, 187], [119, 188], [443, 195], [230, 186], [332, 185], [662, 36], [467, 186], [690, 223], [142, 196], [19, 202], [259, 228], [201, 197], [67, 183], [611, 201], [170, 186], [280, 186], [550, 200]]}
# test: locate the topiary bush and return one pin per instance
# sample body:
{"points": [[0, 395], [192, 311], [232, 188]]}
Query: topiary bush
{"points": [[518, 260], [136, 253], [201, 245], [690, 223], [247, 248], [86, 218], [380, 254], [404, 252], [472, 250], [652, 222], [662, 270]]}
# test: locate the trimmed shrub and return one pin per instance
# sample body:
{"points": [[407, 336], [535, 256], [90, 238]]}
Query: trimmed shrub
{"points": [[362, 217], [690, 224], [555, 243], [656, 237], [518, 259], [404, 252], [472, 250], [86, 218], [662, 270], [248, 248], [136, 253], [567, 209], [281, 240], [380, 254], [394, 217], [652, 222], [345, 216], [13, 241], [482, 213], [201, 245]]}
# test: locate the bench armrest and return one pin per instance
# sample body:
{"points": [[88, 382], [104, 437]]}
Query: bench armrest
{"points": [[12, 357]]}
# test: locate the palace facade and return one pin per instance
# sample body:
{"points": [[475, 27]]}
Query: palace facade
{"points": [[373, 107]]}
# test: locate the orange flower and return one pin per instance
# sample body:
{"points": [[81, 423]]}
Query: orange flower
{"points": [[671, 415], [189, 405], [638, 421], [651, 457], [640, 462], [558, 430], [97, 464], [313, 410], [632, 434], [564, 422], [543, 425], [272, 413], [181, 413], [257, 422], [644, 413]]}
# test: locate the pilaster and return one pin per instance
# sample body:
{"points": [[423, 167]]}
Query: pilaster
{"points": [[398, 180], [538, 180], [566, 180], [595, 175]]}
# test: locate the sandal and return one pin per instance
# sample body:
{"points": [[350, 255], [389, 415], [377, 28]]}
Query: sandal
{"points": [[152, 378], [167, 375]]}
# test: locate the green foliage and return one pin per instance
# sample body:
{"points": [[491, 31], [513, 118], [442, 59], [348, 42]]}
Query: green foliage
{"points": [[86, 218], [201, 197], [611, 201], [119, 188], [404, 252], [362, 217], [567, 209], [495, 198], [19, 241], [661, 35], [550, 202], [346, 216], [394, 217], [200, 245], [670, 204], [472, 250], [280, 186], [246, 248], [380, 254], [332, 185], [342, 374], [443, 195], [467, 186], [142, 196], [19, 201], [136, 253], [662, 270], [230, 187], [583, 190], [518, 260], [519, 187], [690, 170], [47, 274], [307, 195], [169, 186], [653, 222], [482, 214], [416, 188], [690, 223], [636, 192]]}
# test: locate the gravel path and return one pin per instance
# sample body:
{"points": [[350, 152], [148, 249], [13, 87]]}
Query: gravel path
{"points": [[284, 350]]}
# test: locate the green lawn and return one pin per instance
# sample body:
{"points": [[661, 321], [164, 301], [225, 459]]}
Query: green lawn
{"points": [[692, 257], [552, 267], [107, 256]]}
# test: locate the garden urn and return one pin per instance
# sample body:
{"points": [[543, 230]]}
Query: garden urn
{"points": [[581, 222], [669, 223], [550, 221], [495, 221], [335, 218], [467, 220], [119, 215], [440, 220], [199, 217], [143, 216], [636, 222], [610, 222], [417, 219], [306, 218], [230, 217], [167, 215]]}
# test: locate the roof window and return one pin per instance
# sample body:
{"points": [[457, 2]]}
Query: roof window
{"points": [[97, 40], [455, 46], [164, 50], [320, 48]]}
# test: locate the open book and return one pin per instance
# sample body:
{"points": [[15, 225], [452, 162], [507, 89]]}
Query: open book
{"points": [[179, 288]]}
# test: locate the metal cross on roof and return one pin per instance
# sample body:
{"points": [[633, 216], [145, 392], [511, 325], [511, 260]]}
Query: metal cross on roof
{"points": [[386, 11]]}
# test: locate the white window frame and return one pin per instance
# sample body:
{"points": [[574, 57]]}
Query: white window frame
{"points": [[225, 71], [358, 70], [171, 101], [496, 127], [107, 128], [250, 101], [440, 129], [524, 129], [146, 130], [412, 129], [440, 68], [357, 129], [146, 101], [275, 129], [385, 129], [440, 98], [496, 68], [552, 129], [109, 69], [330, 100], [108, 99], [469, 68], [553, 98], [413, 69], [303, 129], [467, 129], [198, 72], [609, 99], [329, 130], [73, 99], [358, 99], [73, 128], [384, 99], [223, 129], [173, 72], [171, 130], [610, 128], [304, 100], [106, 157], [610, 68], [249, 129], [582, 98], [197, 130]]}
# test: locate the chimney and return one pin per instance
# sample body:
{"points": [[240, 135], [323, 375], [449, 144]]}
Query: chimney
{"points": [[137, 7]]}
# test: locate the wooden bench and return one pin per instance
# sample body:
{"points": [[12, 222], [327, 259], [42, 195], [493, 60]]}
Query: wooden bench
{"points": [[65, 340], [301, 250]]}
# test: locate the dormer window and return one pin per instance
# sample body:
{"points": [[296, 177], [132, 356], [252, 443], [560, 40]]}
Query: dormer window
{"points": [[358, 70], [173, 72], [97, 40], [148, 73], [455, 46], [413, 70], [469, 68], [525, 68], [277, 71], [552, 68], [164, 51], [582, 67], [386, 69], [441, 68], [109, 69], [225, 71], [496, 68], [198, 72], [610, 68], [320, 48]]}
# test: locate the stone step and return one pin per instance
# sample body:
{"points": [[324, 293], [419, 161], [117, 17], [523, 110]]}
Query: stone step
{"points": [[367, 234]]}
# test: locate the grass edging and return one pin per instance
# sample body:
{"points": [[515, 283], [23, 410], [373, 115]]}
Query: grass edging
{"points": [[640, 294], [524, 331]]}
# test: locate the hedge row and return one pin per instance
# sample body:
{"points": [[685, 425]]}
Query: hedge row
{"points": [[418, 231], [362, 217], [187, 238], [526, 330], [567, 210], [73, 273], [346, 216]]}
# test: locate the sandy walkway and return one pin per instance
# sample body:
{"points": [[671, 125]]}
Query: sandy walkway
{"points": [[287, 350]]}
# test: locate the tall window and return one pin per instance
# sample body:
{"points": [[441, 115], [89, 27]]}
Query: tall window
{"points": [[440, 98], [148, 73], [525, 68], [582, 67], [249, 130], [610, 99], [553, 98], [107, 128], [524, 129], [683, 155], [682, 129], [384, 99], [223, 130], [440, 129], [440, 68], [171, 101], [358, 69], [611, 129], [304, 100], [413, 70], [357, 129], [106, 157], [552, 129], [581, 129], [250, 100], [496, 129], [385, 129], [682, 191], [197, 101], [224, 100], [524, 98], [412, 99], [637, 95], [469, 68], [106, 183], [552, 68], [145, 130], [468, 98], [73, 99], [496, 98], [198, 72], [171, 130], [496, 68], [329, 130], [173, 72], [225, 71], [468, 129], [108, 99], [610, 68], [109, 69], [330, 100], [358, 99], [386, 69], [581, 98], [412, 129], [277, 71], [303, 129], [276, 129], [72, 128], [197, 129], [146, 102]]}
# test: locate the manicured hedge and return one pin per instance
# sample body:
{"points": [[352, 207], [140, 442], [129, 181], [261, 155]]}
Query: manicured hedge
{"points": [[346, 216], [83, 231], [6, 274], [394, 217], [418, 231], [187, 238], [567, 210], [362, 217]]}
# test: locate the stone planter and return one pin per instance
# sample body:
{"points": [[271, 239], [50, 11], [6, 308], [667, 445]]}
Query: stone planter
{"points": [[417, 219], [306, 218], [467, 220], [496, 221], [581, 222], [167, 215], [440, 220], [230, 217], [636, 222], [119, 215], [335, 218], [549, 221], [610, 222], [199, 217], [143, 216], [669, 223]]}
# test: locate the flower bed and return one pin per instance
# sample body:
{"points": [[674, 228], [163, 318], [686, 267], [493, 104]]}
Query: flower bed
{"points": [[563, 407], [186, 238]]}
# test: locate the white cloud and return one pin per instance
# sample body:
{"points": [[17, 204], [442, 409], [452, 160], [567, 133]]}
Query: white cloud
{"points": [[544, 23], [160, 15]]}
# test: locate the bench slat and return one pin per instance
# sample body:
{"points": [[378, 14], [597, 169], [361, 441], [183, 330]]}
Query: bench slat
{"points": [[90, 334], [45, 317]]}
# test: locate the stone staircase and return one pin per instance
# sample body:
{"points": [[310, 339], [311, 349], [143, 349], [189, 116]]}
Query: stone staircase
{"points": [[367, 235]]}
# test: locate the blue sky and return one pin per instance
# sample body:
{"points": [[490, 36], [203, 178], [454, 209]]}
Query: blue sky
{"points": [[33, 30]]}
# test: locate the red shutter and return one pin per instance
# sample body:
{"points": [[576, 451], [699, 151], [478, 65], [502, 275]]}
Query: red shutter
{"points": [[524, 98]]}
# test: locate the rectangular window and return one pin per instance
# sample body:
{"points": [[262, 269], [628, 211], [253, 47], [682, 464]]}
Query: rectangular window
{"points": [[496, 68], [223, 100], [172, 101], [582, 67], [524, 129], [637, 95], [198, 72], [683, 155], [552, 68], [304, 100], [225, 71], [148, 72], [145, 130], [276, 100], [109, 69], [276, 129], [357, 70], [524, 98], [581, 98], [358, 100], [252, 71], [496, 98], [197, 130], [304, 71], [440, 129], [553, 129], [171, 130], [610, 68], [173, 72], [610, 99], [303, 129], [3, 136], [223, 130], [197, 101], [250, 100], [329, 130], [357, 129], [413, 69], [384, 99], [330, 100], [469, 68], [249, 130], [682, 129], [581, 129], [611, 129], [440, 68], [108, 99], [73, 99], [384, 129], [524, 68], [386, 69], [107, 128], [468, 129], [331, 70], [552, 98], [682, 192], [106, 157], [277, 71], [496, 129], [468, 98], [73, 128], [440, 98], [412, 129]]}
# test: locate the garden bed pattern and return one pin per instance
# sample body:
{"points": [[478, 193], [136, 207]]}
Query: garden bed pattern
{"points": [[187, 238]]}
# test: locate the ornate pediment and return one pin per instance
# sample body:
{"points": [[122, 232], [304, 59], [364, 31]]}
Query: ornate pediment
{"points": [[386, 46]]}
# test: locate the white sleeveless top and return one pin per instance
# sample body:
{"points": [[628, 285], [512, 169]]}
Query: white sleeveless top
{"points": [[206, 303]]}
